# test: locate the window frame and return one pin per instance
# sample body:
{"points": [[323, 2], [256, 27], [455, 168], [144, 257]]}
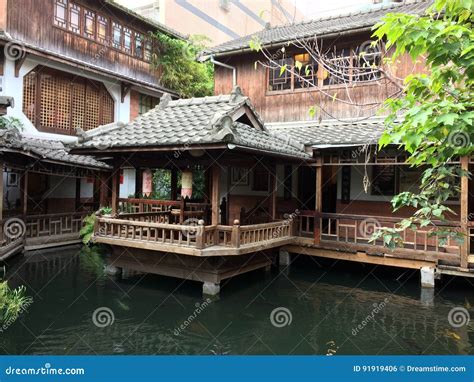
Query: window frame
{"points": [[66, 14]]}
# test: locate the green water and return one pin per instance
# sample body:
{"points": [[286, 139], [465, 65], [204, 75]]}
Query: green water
{"points": [[326, 301]]}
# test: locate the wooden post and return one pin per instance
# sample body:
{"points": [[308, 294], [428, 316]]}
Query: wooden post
{"points": [[1, 194], [78, 194], [201, 234], [235, 235], [25, 193], [138, 182], [318, 201], [273, 192], [216, 172], [115, 190], [174, 184], [182, 208], [465, 213], [103, 192]]}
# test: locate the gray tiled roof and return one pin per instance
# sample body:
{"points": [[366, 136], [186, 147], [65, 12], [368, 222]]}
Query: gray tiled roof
{"points": [[188, 122], [361, 20], [330, 132], [49, 150]]}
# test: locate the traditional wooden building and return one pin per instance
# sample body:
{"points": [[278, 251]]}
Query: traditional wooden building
{"points": [[296, 183]]}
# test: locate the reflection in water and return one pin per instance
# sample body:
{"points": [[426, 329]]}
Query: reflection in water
{"points": [[333, 311]]}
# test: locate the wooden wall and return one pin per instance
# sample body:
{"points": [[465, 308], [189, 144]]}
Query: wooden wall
{"points": [[31, 21], [287, 105]]}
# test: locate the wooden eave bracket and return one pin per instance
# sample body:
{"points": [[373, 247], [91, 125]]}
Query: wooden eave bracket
{"points": [[125, 89], [19, 63]]}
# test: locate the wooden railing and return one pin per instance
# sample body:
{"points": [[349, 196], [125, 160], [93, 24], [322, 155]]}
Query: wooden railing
{"points": [[51, 225], [179, 210], [12, 235], [153, 217], [354, 232], [194, 236]]}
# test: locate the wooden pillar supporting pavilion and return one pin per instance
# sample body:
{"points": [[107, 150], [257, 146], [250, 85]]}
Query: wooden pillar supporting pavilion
{"points": [[215, 200], [273, 192], [464, 214], [1, 192], [77, 204], [24, 190], [115, 189], [318, 201], [174, 184], [103, 189]]}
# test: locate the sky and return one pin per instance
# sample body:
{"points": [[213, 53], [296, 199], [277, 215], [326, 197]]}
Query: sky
{"points": [[310, 8]]}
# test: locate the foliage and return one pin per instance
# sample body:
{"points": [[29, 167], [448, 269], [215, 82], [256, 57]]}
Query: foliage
{"points": [[181, 71], [162, 184], [437, 106], [12, 303], [11, 123], [87, 229]]}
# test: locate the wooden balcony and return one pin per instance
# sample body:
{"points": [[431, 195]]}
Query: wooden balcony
{"points": [[352, 233], [152, 231]]}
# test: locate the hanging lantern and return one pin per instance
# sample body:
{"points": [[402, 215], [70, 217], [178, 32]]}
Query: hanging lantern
{"points": [[147, 182], [187, 183]]}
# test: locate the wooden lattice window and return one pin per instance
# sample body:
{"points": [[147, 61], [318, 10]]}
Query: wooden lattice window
{"points": [[59, 102], [146, 103], [148, 49], [74, 18], [306, 71], [29, 95], [138, 48], [102, 29], [89, 24], [127, 40], [116, 35], [280, 79], [60, 13]]}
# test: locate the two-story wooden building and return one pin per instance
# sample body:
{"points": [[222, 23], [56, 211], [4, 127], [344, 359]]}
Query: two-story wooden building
{"points": [[69, 66], [277, 176]]}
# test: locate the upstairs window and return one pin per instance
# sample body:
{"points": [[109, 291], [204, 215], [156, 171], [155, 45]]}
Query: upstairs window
{"points": [[59, 102], [338, 65], [306, 69], [127, 40], [148, 49], [89, 24], [116, 35], [138, 49], [278, 79], [60, 13], [75, 18], [102, 29]]}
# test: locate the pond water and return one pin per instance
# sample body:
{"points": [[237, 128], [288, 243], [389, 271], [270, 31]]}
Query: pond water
{"points": [[318, 308]]}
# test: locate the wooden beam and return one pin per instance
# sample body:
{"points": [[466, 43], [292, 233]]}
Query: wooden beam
{"points": [[215, 197], [124, 90], [464, 213], [19, 63], [138, 182]]}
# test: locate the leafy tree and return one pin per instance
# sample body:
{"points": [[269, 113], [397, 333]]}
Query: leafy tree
{"points": [[181, 71], [437, 107]]}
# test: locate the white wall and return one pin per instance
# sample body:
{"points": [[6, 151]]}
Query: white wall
{"points": [[128, 186]]}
